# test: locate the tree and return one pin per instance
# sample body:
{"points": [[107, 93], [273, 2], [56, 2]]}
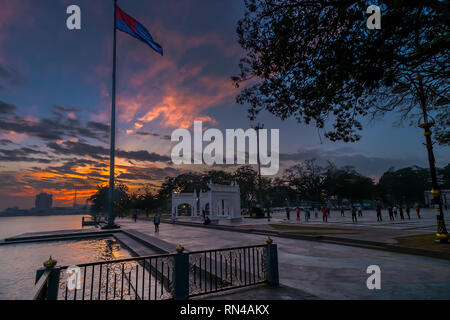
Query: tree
{"points": [[347, 183], [307, 179], [247, 179], [122, 199], [146, 200], [404, 186], [317, 61]]}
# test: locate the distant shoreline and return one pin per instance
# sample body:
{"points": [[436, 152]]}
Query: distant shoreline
{"points": [[43, 214]]}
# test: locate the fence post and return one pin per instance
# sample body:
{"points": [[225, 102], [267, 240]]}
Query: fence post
{"points": [[272, 263], [53, 279], [181, 275]]}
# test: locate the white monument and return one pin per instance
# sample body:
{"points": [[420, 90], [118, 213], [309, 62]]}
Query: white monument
{"points": [[220, 202]]}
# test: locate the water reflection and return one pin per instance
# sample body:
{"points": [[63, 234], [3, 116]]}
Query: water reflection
{"points": [[20, 262]]}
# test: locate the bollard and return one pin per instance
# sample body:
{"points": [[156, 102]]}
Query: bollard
{"points": [[181, 275], [53, 279], [272, 264]]}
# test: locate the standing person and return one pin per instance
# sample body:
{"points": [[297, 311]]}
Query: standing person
{"points": [[379, 217], [297, 211], [391, 215], [316, 212], [342, 211], [324, 215], [407, 212], [359, 211], [156, 221], [288, 213], [401, 213], [135, 216], [306, 214], [354, 218], [395, 211], [418, 211]]}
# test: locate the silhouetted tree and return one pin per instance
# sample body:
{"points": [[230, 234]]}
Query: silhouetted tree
{"points": [[404, 186], [121, 199], [317, 61]]}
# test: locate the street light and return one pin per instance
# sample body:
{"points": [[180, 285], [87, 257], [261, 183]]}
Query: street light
{"points": [[442, 234]]}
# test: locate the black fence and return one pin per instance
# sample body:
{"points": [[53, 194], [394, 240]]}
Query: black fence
{"points": [[161, 277], [222, 269]]}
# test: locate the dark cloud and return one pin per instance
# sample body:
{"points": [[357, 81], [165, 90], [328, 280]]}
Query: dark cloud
{"points": [[23, 155], [98, 126], [6, 108], [163, 137], [152, 173], [141, 133], [11, 77], [101, 153], [4, 142], [63, 109], [59, 128]]}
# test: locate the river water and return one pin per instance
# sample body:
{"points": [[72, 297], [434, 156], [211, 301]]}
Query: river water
{"points": [[19, 262]]}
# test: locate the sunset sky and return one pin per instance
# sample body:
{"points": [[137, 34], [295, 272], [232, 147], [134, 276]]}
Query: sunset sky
{"points": [[55, 87]]}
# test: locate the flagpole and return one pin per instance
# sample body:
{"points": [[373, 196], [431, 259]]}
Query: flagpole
{"points": [[111, 215]]}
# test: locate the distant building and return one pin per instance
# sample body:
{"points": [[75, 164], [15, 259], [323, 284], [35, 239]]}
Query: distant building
{"points": [[43, 201]]}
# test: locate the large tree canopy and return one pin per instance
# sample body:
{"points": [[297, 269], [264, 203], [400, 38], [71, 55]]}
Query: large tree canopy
{"points": [[317, 61]]}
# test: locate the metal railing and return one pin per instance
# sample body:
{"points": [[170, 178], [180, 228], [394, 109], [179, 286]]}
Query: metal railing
{"points": [[160, 277], [141, 278], [224, 269]]}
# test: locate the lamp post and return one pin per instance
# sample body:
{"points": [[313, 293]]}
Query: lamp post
{"points": [[257, 128], [441, 234], [426, 124]]}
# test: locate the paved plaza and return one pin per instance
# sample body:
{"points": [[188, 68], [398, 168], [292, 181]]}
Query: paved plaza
{"points": [[323, 270]]}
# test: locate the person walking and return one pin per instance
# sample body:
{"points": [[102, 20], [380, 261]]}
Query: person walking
{"points": [[306, 214], [156, 221], [379, 217], [401, 213], [354, 218], [359, 211], [207, 221], [391, 215], [324, 215], [316, 212], [288, 213], [407, 212], [395, 211], [297, 211], [135, 216], [342, 211], [418, 211]]}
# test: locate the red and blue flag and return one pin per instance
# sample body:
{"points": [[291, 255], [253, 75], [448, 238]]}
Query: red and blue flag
{"points": [[129, 25]]}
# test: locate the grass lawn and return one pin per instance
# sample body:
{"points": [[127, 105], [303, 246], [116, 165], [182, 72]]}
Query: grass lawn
{"points": [[423, 241], [307, 228], [319, 233]]}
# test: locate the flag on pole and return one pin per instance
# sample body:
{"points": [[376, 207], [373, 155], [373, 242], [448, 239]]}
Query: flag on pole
{"points": [[129, 25]]}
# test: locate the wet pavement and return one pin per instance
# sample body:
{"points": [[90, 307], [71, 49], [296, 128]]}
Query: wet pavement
{"points": [[321, 270]]}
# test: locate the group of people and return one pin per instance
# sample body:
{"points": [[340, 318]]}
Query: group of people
{"points": [[393, 211], [356, 212], [307, 211]]}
